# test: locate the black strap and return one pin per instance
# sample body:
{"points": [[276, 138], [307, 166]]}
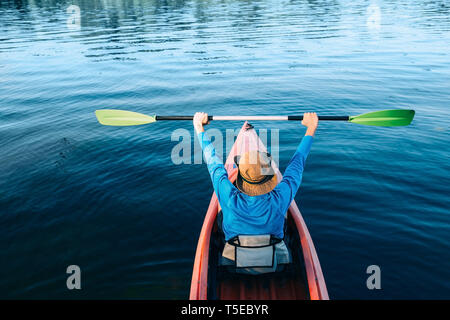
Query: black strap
{"points": [[273, 241], [266, 178]]}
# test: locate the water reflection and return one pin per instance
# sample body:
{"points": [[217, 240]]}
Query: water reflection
{"points": [[151, 26]]}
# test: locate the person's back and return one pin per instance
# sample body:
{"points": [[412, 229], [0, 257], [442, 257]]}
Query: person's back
{"points": [[258, 203]]}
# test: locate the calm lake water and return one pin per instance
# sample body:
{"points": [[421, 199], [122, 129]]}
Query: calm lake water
{"points": [[110, 199]]}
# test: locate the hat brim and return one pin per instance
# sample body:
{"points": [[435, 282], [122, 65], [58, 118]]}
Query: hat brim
{"points": [[256, 189]]}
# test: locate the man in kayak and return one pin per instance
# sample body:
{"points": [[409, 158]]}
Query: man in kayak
{"points": [[257, 205]]}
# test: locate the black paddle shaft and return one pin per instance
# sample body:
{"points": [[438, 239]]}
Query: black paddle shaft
{"points": [[290, 118]]}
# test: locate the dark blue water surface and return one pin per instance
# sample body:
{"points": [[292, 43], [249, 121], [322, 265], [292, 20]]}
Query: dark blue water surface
{"points": [[111, 201]]}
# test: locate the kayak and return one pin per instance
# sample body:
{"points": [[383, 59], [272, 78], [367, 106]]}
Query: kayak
{"points": [[304, 281]]}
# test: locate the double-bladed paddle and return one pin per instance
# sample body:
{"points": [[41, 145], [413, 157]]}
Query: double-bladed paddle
{"points": [[385, 118]]}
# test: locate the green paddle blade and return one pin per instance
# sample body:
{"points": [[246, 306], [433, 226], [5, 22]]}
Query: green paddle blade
{"points": [[110, 117], [386, 118]]}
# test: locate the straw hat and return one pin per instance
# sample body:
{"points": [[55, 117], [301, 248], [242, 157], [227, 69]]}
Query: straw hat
{"points": [[256, 175]]}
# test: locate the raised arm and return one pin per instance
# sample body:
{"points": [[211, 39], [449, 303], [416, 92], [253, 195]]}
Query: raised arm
{"points": [[219, 176], [292, 177]]}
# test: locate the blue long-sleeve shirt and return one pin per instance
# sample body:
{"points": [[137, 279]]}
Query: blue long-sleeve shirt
{"points": [[254, 215]]}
